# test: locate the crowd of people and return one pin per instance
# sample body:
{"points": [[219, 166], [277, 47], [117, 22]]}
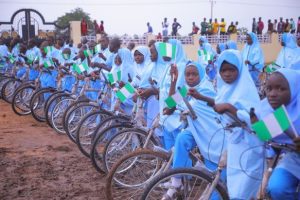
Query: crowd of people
{"points": [[222, 80]]}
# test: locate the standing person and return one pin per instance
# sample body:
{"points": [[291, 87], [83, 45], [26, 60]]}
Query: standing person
{"points": [[203, 26], [231, 28], [260, 26], [270, 27], [195, 29], [165, 25], [96, 27], [293, 26], [275, 26], [236, 27], [280, 26], [287, 26], [150, 30], [215, 26], [175, 27], [101, 27], [223, 27], [84, 27], [209, 27], [253, 57], [254, 26], [298, 26]]}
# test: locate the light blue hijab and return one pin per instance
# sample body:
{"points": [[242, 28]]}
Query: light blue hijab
{"points": [[222, 47], [253, 53], [155, 71], [231, 45], [142, 67], [205, 46], [289, 53], [242, 92]]}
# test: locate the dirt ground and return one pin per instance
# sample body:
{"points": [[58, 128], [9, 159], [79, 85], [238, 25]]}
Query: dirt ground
{"points": [[37, 163]]}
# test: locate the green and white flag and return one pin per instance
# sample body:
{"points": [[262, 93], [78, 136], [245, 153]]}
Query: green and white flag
{"points": [[125, 92], [88, 53], [114, 76], [167, 50], [66, 56], [272, 125], [11, 59], [272, 67], [48, 49], [205, 55], [48, 63], [176, 98], [97, 48], [81, 67]]}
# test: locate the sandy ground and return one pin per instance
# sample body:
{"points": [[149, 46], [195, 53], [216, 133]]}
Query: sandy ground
{"points": [[37, 163]]}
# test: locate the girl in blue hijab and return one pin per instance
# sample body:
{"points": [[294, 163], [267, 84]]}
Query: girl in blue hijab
{"points": [[200, 132], [289, 53], [142, 60], [237, 94], [230, 44], [283, 88], [205, 46], [253, 57]]}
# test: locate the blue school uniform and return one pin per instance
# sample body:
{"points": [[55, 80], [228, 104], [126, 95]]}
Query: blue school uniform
{"points": [[286, 176], [142, 67], [230, 44], [203, 132], [289, 53], [254, 54], [244, 150], [69, 79], [47, 79], [208, 48]]}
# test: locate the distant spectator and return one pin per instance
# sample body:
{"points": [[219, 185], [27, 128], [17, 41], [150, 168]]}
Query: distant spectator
{"points": [[298, 26], [280, 26], [270, 26], [215, 26], [236, 27], [287, 26], [223, 27], [231, 28], [203, 26], [131, 45], [195, 29], [165, 26], [260, 26], [151, 42], [293, 26], [96, 27], [275, 26], [209, 27], [254, 26], [101, 27], [159, 36], [84, 27], [150, 30], [175, 27]]}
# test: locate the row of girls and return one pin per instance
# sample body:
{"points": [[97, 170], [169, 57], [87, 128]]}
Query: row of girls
{"points": [[157, 77]]}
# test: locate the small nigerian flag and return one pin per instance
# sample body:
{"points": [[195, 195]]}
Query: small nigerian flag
{"points": [[167, 49], [66, 56], [48, 49], [48, 63], [176, 98], [272, 67], [114, 76], [205, 56], [81, 67], [97, 48], [125, 92], [88, 53], [11, 59], [272, 125]]}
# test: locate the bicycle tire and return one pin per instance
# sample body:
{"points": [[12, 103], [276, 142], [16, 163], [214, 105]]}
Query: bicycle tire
{"points": [[189, 174], [2, 82], [23, 108], [130, 165], [84, 134], [8, 90], [114, 149]]}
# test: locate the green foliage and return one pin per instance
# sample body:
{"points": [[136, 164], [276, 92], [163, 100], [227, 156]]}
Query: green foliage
{"points": [[75, 15]]}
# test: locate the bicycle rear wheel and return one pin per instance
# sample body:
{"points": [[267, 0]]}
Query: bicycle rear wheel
{"points": [[21, 100], [194, 184]]}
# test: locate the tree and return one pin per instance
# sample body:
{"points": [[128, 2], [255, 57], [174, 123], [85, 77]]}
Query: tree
{"points": [[75, 15]]}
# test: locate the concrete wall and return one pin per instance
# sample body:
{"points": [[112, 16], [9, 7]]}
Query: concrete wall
{"points": [[75, 32]]}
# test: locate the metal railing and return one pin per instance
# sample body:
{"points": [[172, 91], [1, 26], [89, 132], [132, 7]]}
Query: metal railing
{"points": [[264, 38], [183, 39]]}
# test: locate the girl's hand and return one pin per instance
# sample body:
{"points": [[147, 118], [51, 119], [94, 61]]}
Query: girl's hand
{"points": [[168, 111], [121, 84], [221, 108], [194, 93], [297, 143]]}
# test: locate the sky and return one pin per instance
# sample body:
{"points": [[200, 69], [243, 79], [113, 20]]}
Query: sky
{"points": [[131, 16]]}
